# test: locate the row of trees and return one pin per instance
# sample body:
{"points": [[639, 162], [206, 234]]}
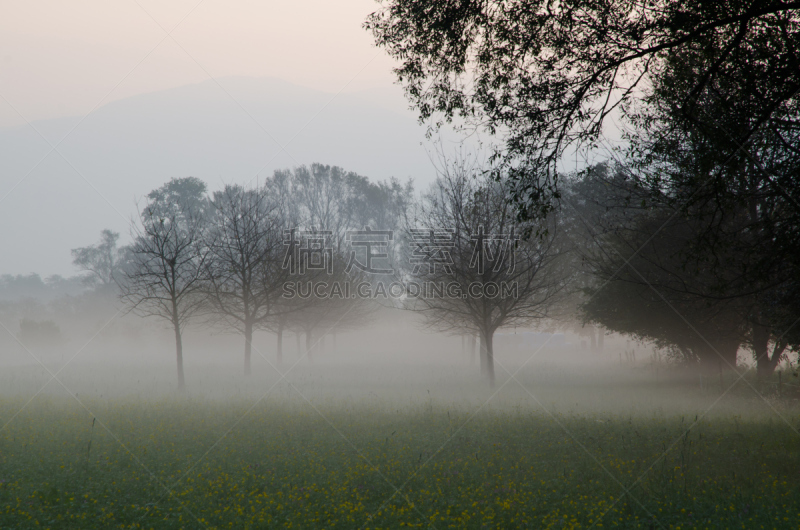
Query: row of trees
{"points": [[643, 258], [221, 258], [687, 237], [608, 257], [227, 258], [615, 254]]}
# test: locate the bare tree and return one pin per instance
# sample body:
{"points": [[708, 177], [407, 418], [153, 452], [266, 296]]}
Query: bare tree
{"points": [[328, 204], [244, 271], [325, 197], [164, 272], [476, 270]]}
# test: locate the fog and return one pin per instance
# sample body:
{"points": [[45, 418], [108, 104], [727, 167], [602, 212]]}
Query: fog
{"points": [[392, 363], [144, 373], [358, 264]]}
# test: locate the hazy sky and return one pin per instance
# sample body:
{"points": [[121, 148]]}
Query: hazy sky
{"points": [[62, 182], [65, 58]]}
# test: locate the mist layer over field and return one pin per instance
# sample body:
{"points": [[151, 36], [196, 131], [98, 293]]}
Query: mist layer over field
{"points": [[384, 369], [386, 427]]}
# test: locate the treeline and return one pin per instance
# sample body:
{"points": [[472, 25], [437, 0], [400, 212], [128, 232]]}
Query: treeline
{"points": [[221, 258], [32, 285], [318, 249]]}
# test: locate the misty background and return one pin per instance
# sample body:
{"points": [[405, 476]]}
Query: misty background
{"points": [[222, 131], [134, 95], [101, 105]]}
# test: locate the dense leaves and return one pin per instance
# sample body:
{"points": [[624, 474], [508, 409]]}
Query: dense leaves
{"points": [[542, 75]]}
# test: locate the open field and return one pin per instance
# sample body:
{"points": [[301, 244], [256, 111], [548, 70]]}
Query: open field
{"points": [[392, 446]]}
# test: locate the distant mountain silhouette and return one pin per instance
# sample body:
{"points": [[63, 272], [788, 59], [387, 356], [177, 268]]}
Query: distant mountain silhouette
{"points": [[128, 147]]}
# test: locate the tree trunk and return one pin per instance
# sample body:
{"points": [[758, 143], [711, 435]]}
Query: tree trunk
{"points": [[472, 340], [760, 340], [248, 346], [179, 353], [482, 348], [279, 353], [765, 365], [309, 345], [777, 352], [489, 347]]}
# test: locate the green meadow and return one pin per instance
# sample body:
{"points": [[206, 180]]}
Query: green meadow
{"points": [[548, 449]]}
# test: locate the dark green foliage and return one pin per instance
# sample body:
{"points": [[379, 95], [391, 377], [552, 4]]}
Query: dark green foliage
{"points": [[542, 75]]}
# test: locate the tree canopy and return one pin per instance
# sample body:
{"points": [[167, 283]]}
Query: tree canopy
{"points": [[544, 75]]}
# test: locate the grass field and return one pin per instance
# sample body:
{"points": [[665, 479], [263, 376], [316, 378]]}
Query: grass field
{"points": [[308, 456]]}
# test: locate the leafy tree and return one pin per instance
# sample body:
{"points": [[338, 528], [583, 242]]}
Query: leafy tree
{"points": [[316, 316], [729, 164], [651, 279], [643, 291], [330, 199], [337, 200], [187, 192], [102, 261], [19, 286], [547, 74]]}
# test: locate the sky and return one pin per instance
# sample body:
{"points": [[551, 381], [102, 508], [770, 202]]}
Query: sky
{"points": [[67, 58], [105, 70], [78, 60]]}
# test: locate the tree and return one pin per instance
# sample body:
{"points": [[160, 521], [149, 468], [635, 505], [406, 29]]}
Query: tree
{"points": [[642, 293], [244, 272], [730, 164], [189, 193], [325, 198], [644, 283], [328, 204], [546, 75], [319, 303], [102, 261], [465, 238], [164, 275]]}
